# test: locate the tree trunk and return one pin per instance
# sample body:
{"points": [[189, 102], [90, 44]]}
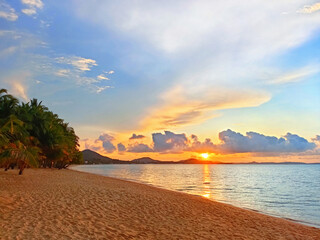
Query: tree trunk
{"points": [[21, 169]]}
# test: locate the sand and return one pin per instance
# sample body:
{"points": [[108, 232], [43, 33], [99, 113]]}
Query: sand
{"points": [[66, 204]]}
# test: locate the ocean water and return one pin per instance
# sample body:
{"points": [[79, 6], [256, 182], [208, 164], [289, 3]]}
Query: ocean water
{"points": [[288, 191]]}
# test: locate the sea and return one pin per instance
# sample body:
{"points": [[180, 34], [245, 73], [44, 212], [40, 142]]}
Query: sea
{"points": [[288, 191]]}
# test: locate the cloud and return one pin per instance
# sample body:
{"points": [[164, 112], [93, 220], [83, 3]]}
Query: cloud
{"points": [[296, 75], [204, 23], [102, 77], [90, 144], [169, 142], [180, 107], [210, 45], [33, 5], [29, 11], [8, 51], [230, 142], [139, 148], [62, 72], [44, 24], [233, 142], [121, 147], [107, 144], [76, 73], [79, 63], [17, 85], [19, 90], [135, 136], [7, 12], [110, 72], [316, 138], [201, 147], [71, 70], [310, 8], [100, 89]]}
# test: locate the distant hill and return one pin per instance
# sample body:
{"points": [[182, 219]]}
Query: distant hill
{"points": [[91, 157], [144, 160], [275, 163]]}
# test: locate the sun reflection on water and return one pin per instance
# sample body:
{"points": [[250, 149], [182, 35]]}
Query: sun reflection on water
{"points": [[206, 181]]}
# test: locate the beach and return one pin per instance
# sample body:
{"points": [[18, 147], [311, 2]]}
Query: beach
{"points": [[66, 204]]}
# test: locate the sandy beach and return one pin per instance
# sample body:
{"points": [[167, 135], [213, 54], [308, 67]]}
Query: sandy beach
{"points": [[66, 204]]}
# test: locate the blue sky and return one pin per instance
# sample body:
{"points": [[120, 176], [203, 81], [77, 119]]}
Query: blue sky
{"points": [[114, 68]]}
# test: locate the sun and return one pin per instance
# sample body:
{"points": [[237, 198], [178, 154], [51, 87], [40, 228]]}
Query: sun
{"points": [[204, 155]]}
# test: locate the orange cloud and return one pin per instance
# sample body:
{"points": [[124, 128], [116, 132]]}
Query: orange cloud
{"points": [[179, 108]]}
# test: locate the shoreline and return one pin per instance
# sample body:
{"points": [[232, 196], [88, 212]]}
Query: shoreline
{"points": [[88, 206], [310, 224]]}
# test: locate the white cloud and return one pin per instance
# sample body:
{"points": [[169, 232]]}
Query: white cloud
{"points": [[17, 85], [7, 12], [310, 8], [259, 26], [44, 24], [8, 51], [211, 45], [296, 75], [71, 70], [19, 90], [102, 77], [63, 72], [33, 5], [29, 11], [100, 89], [79, 63]]}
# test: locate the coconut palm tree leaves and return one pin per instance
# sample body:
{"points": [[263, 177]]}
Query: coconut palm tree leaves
{"points": [[22, 155], [31, 135]]}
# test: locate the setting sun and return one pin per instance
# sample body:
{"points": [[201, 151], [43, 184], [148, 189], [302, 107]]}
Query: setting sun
{"points": [[204, 155]]}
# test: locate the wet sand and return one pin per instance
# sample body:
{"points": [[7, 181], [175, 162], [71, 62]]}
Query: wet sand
{"points": [[66, 204]]}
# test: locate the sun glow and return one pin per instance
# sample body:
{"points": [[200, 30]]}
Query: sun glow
{"points": [[204, 155]]}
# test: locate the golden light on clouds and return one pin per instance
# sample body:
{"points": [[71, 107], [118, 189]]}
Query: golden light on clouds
{"points": [[18, 84], [310, 8], [19, 90], [178, 107]]}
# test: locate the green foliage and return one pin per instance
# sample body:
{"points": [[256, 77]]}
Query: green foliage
{"points": [[32, 136]]}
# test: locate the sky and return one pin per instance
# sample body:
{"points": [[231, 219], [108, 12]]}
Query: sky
{"points": [[238, 80]]}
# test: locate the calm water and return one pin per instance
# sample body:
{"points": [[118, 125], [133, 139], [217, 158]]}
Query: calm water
{"points": [[290, 191]]}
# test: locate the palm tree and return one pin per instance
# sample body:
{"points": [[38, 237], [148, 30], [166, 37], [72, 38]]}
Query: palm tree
{"points": [[31, 135], [24, 156], [8, 104]]}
